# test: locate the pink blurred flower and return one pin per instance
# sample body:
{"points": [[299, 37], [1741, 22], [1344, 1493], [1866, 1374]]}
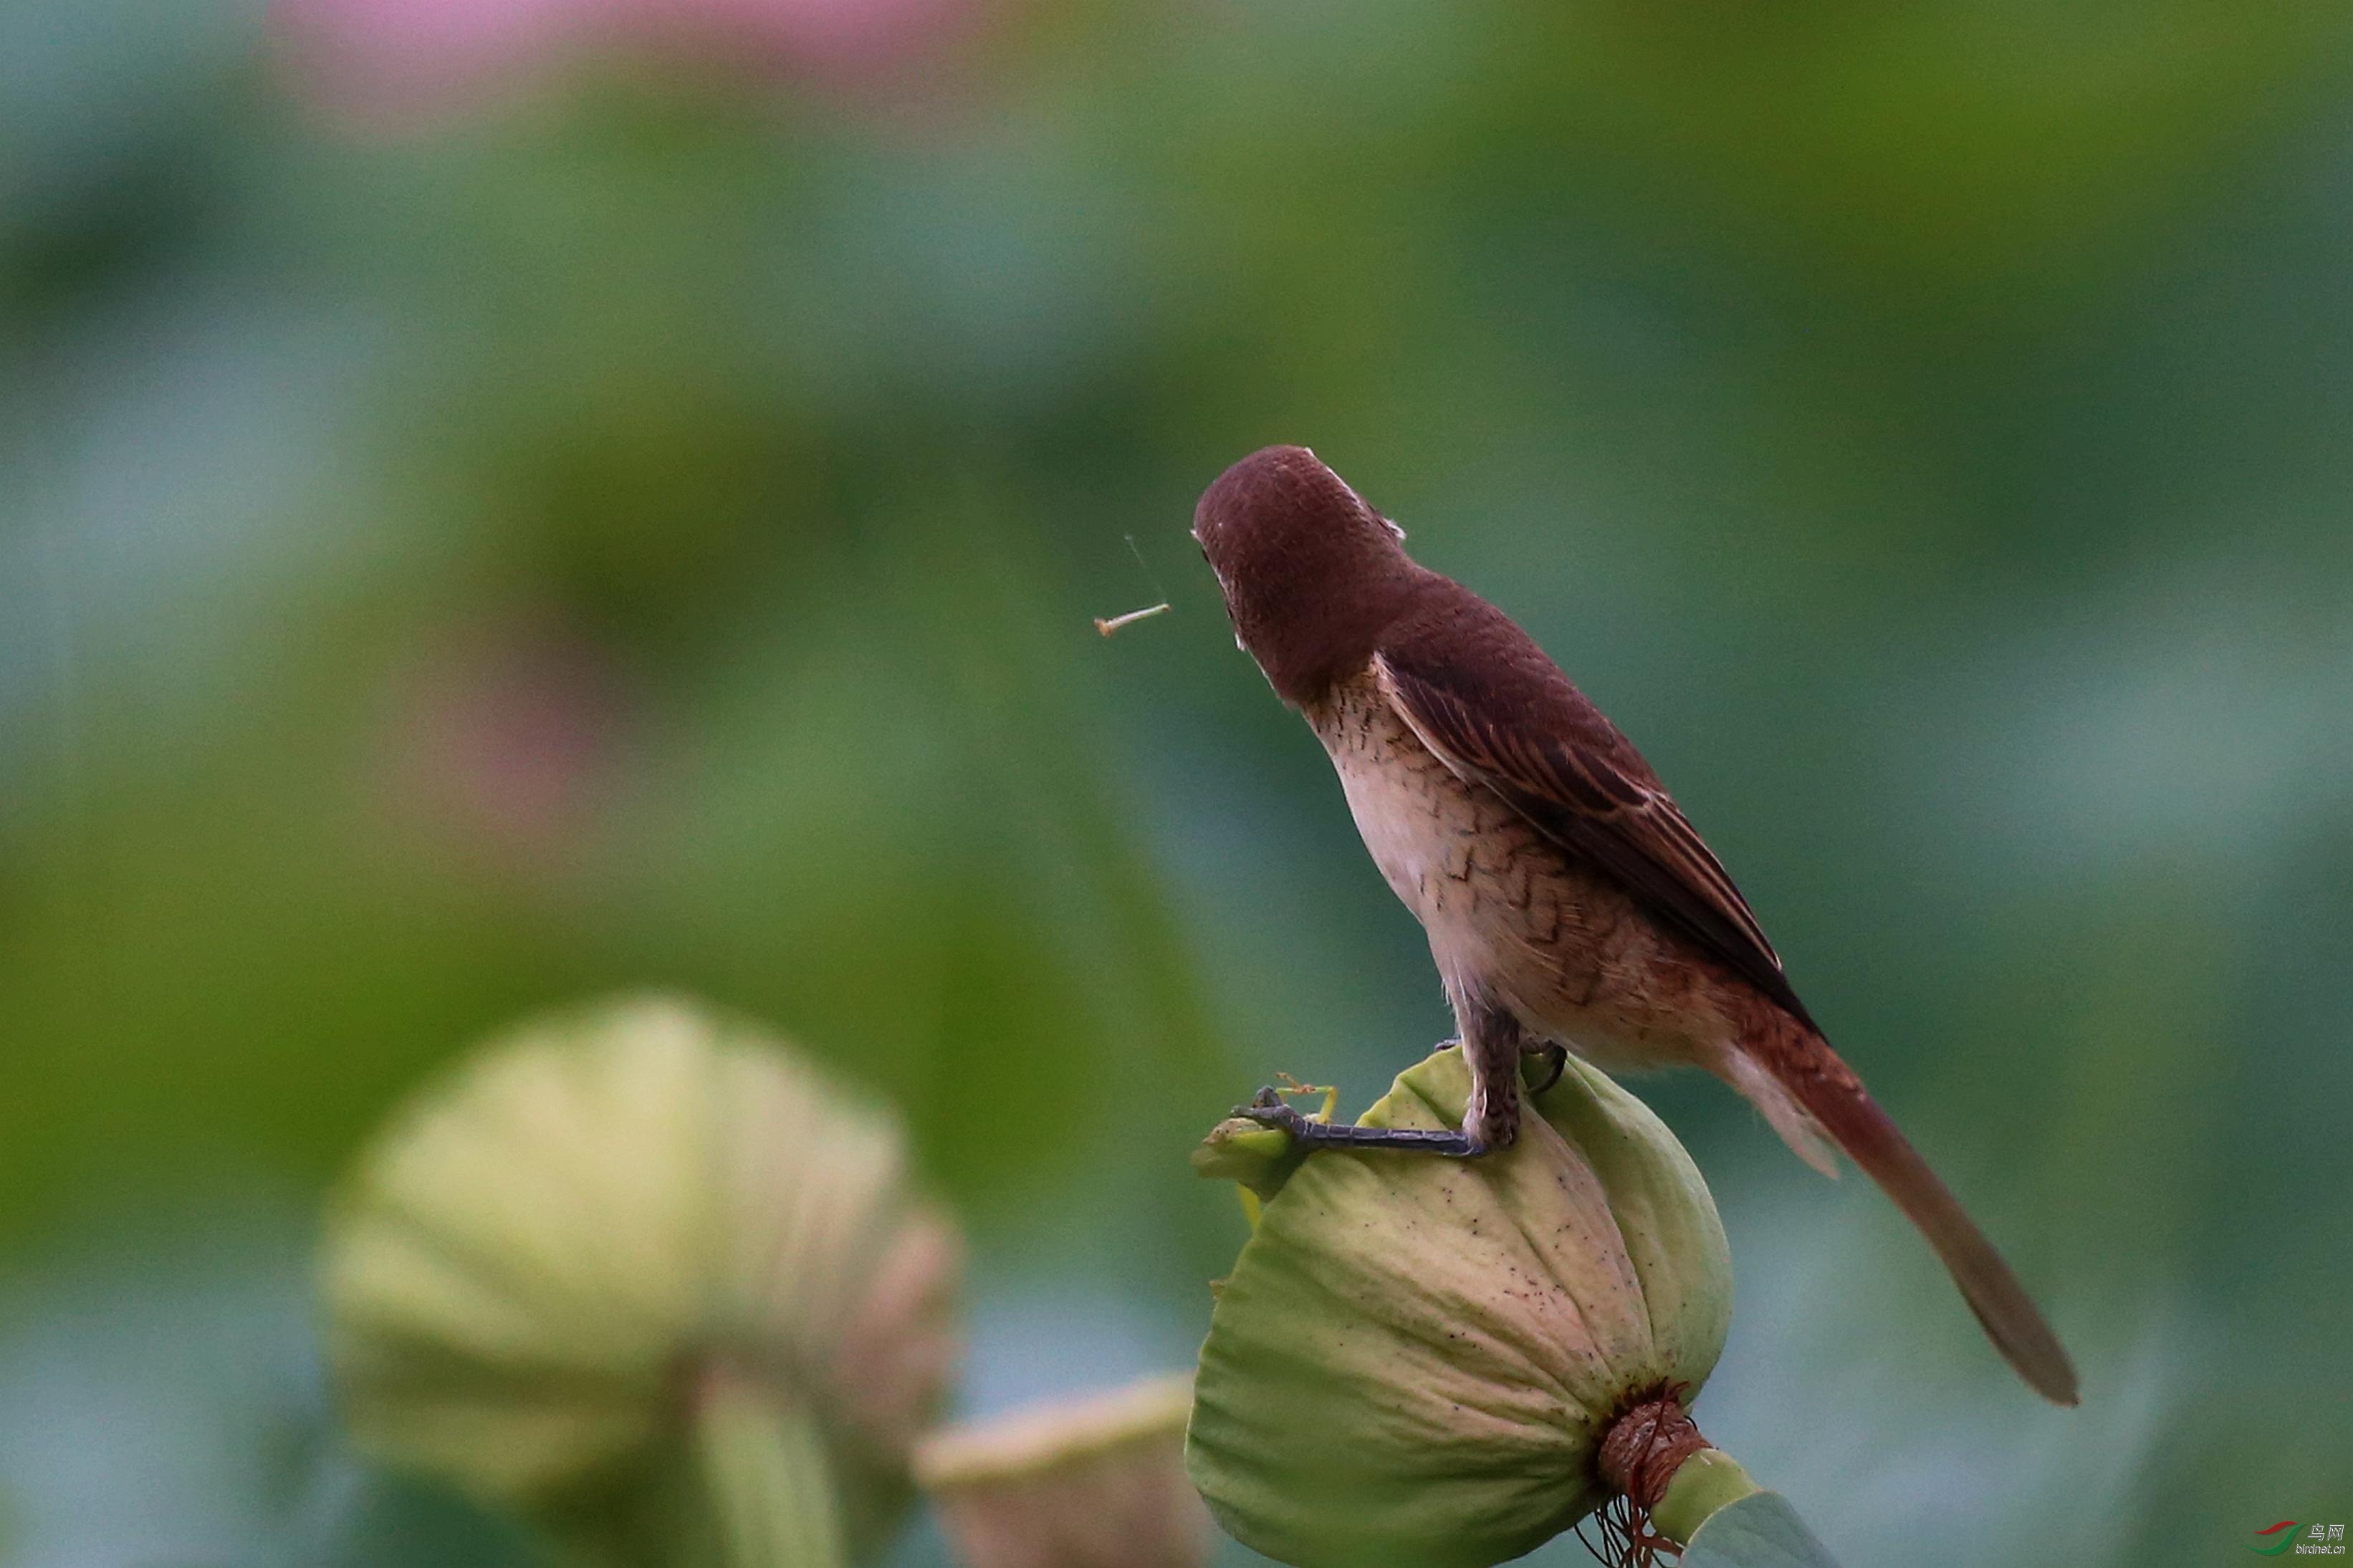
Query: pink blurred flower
{"points": [[402, 60], [499, 745]]}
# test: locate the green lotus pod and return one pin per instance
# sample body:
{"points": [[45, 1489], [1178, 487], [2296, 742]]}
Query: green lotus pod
{"points": [[1416, 1358], [1092, 1482], [1257, 1159], [643, 1275]]}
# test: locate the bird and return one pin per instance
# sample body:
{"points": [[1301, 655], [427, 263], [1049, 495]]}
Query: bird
{"points": [[1570, 904]]}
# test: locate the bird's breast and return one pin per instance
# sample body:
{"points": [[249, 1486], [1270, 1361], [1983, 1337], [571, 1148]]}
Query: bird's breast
{"points": [[1508, 913], [1460, 857]]}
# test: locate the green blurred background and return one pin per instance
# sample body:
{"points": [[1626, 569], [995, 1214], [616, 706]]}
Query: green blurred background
{"points": [[598, 495]]}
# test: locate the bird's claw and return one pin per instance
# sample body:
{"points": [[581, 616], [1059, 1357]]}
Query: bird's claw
{"points": [[1268, 1110]]}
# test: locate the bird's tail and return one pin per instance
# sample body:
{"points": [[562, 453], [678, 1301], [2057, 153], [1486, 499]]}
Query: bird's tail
{"points": [[1809, 1094]]}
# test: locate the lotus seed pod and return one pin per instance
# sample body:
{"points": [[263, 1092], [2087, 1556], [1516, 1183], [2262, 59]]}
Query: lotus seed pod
{"points": [[1095, 1482], [643, 1275], [1416, 1358], [1257, 1159]]}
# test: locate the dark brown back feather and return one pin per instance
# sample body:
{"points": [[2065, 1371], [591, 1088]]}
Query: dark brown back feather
{"points": [[1483, 697]]}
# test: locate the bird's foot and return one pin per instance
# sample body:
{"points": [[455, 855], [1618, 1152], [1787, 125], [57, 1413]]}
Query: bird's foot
{"points": [[1268, 1110]]}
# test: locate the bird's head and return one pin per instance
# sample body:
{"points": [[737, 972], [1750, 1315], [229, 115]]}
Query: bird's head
{"points": [[1311, 575]]}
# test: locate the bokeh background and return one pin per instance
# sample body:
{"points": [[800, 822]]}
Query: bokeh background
{"points": [[502, 501]]}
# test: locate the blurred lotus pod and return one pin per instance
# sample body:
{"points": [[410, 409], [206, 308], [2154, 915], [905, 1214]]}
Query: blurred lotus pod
{"points": [[1416, 1358], [643, 1275], [1095, 1482]]}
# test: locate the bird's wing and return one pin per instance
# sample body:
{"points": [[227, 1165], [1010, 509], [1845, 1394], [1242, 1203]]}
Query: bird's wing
{"points": [[1553, 758]]}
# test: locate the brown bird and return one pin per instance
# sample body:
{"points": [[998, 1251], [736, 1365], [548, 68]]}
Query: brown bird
{"points": [[1568, 903]]}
